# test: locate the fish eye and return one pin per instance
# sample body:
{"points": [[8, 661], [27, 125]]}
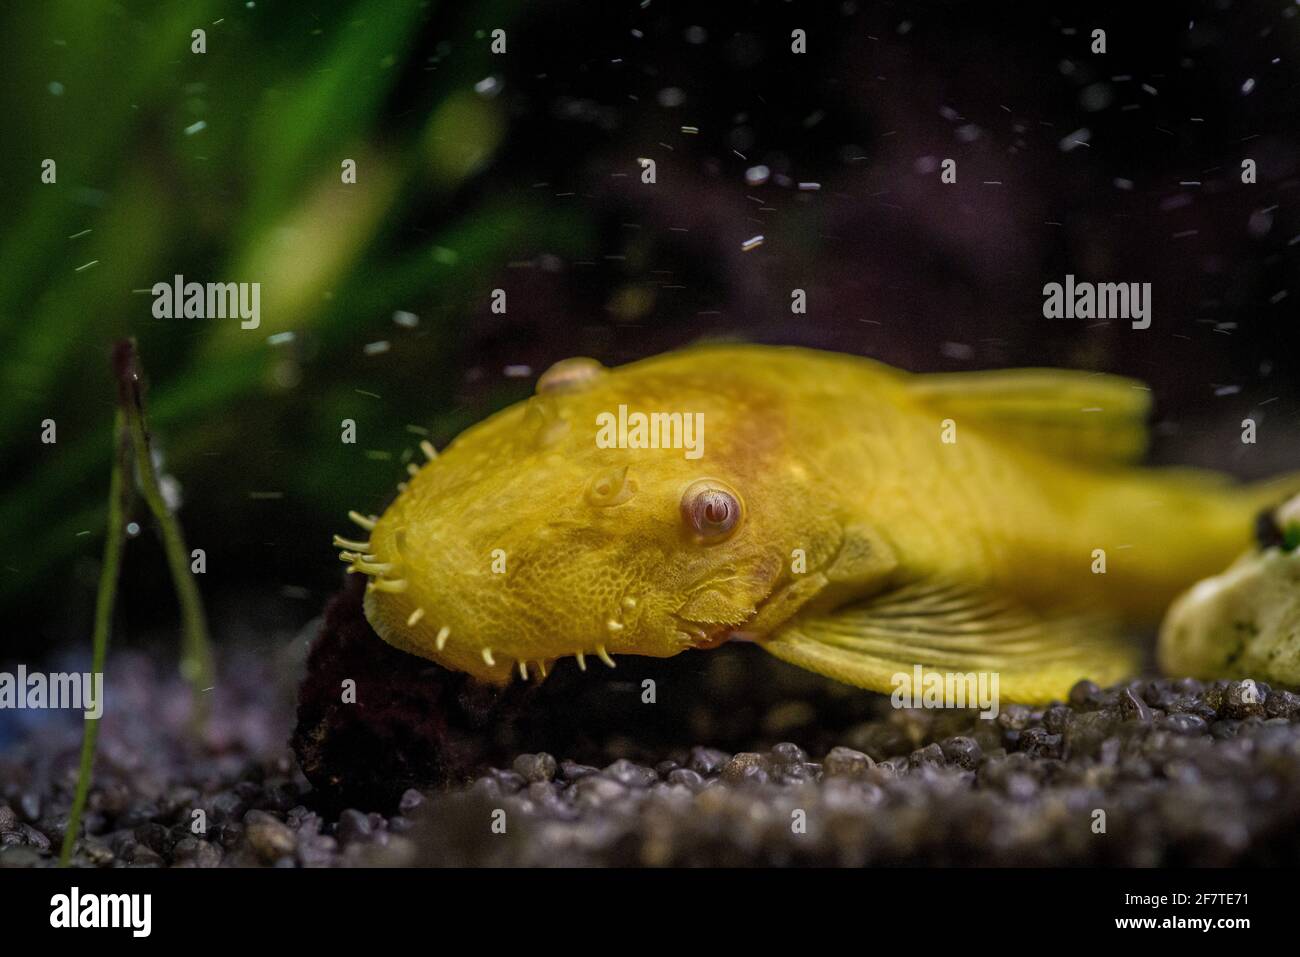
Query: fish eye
{"points": [[712, 510]]}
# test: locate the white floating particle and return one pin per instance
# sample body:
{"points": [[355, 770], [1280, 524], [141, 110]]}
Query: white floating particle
{"points": [[56, 88], [518, 372], [1079, 137], [170, 489], [810, 187], [752, 243], [407, 320], [488, 86], [1227, 390], [690, 129], [280, 338], [1122, 183], [376, 348], [196, 127], [1248, 86], [757, 175]]}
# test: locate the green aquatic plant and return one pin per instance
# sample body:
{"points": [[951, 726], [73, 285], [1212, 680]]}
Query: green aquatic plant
{"points": [[145, 193], [133, 465]]}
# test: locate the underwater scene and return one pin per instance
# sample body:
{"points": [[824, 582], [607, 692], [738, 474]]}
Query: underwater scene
{"points": [[644, 434]]}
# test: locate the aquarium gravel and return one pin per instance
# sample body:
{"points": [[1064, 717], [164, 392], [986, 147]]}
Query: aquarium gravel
{"points": [[1185, 773]]}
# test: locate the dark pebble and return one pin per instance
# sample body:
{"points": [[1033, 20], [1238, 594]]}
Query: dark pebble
{"points": [[1057, 718], [1040, 743], [536, 767], [142, 856], [931, 755], [1133, 708], [630, 774], [1084, 693], [227, 806], [596, 789], [707, 761], [411, 799], [269, 837], [1190, 724], [1015, 717], [1279, 704], [229, 834], [193, 852], [154, 836], [1243, 699], [746, 766], [1225, 729], [510, 782], [788, 753], [845, 762], [686, 777], [33, 837], [962, 751], [572, 771]]}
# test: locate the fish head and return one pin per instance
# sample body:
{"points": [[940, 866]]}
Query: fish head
{"points": [[551, 530]]}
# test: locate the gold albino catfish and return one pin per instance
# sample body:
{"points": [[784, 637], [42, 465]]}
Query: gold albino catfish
{"points": [[847, 517]]}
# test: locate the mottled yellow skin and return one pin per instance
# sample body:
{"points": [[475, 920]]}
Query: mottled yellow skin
{"points": [[837, 456]]}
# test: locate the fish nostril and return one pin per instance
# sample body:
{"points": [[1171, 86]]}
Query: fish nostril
{"points": [[611, 487]]}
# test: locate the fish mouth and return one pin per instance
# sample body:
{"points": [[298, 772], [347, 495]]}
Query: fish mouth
{"points": [[706, 635]]}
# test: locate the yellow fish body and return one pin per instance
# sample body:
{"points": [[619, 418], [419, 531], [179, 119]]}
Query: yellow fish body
{"points": [[851, 518]]}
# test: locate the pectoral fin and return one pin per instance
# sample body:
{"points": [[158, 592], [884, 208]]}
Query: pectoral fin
{"points": [[953, 629]]}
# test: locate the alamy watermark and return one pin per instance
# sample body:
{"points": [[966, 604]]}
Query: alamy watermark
{"points": [[1102, 300], [651, 430], [74, 909], [179, 299], [79, 691], [935, 689]]}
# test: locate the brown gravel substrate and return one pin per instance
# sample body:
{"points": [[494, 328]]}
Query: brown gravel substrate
{"points": [[1186, 773]]}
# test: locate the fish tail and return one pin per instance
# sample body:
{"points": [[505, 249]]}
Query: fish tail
{"points": [[1169, 528], [1258, 501]]}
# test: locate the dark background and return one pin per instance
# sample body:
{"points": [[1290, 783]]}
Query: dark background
{"points": [[531, 183]]}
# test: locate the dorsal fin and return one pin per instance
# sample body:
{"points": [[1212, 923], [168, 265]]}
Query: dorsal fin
{"points": [[1086, 417]]}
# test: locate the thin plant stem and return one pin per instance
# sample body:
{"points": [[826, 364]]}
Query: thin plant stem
{"points": [[196, 650], [119, 501]]}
